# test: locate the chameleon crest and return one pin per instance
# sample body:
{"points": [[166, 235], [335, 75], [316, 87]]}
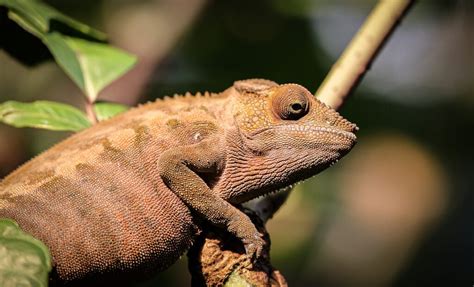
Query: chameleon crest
{"points": [[131, 193]]}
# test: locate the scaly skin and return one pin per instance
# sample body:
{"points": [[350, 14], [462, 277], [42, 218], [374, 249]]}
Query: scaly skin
{"points": [[129, 193]]}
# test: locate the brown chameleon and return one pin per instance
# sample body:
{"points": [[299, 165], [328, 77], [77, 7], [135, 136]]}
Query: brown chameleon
{"points": [[131, 192]]}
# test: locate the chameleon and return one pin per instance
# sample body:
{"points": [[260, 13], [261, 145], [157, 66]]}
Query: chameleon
{"points": [[132, 192]]}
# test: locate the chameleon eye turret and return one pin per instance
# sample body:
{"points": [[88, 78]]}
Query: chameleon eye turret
{"points": [[290, 102]]}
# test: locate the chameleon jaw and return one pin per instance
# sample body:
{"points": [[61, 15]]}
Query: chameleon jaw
{"points": [[318, 130], [308, 129]]}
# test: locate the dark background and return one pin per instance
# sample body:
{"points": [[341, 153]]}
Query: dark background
{"points": [[398, 210]]}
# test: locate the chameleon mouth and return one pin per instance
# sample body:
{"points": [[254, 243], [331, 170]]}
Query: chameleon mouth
{"points": [[306, 129], [318, 130]]}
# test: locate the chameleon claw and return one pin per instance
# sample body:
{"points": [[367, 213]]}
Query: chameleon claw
{"points": [[254, 249]]}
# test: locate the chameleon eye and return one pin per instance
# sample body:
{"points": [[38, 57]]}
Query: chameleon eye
{"points": [[290, 104]]}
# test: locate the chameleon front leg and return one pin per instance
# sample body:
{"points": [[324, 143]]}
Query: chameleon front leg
{"points": [[180, 167]]}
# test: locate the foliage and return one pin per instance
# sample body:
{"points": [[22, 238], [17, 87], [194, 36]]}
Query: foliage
{"points": [[91, 66], [25, 260], [43, 114], [79, 50]]}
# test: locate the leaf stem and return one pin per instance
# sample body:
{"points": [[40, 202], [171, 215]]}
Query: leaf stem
{"points": [[89, 105]]}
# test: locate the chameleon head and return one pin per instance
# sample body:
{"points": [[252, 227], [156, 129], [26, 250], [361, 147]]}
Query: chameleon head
{"points": [[286, 135]]}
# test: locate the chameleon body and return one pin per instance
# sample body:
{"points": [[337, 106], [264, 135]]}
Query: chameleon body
{"points": [[131, 192]]}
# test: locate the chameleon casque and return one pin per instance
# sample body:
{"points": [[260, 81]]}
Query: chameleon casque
{"points": [[130, 192]]}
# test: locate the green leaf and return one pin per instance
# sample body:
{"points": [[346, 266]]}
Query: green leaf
{"points": [[79, 49], [39, 19], [43, 114], [65, 57], [92, 66], [25, 260], [104, 111]]}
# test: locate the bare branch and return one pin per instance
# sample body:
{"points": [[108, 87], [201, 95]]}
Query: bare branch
{"points": [[354, 62]]}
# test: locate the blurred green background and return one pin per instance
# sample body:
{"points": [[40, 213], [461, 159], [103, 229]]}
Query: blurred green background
{"points": [[397, 211]]}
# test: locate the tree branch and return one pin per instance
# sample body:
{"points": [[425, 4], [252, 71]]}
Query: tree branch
{"points": [[356, 59]]}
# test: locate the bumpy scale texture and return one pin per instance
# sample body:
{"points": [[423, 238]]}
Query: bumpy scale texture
{"points": [[130, 193]]}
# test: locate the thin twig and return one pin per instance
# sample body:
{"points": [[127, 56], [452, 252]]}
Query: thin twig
{"points": [[354, 62]]}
